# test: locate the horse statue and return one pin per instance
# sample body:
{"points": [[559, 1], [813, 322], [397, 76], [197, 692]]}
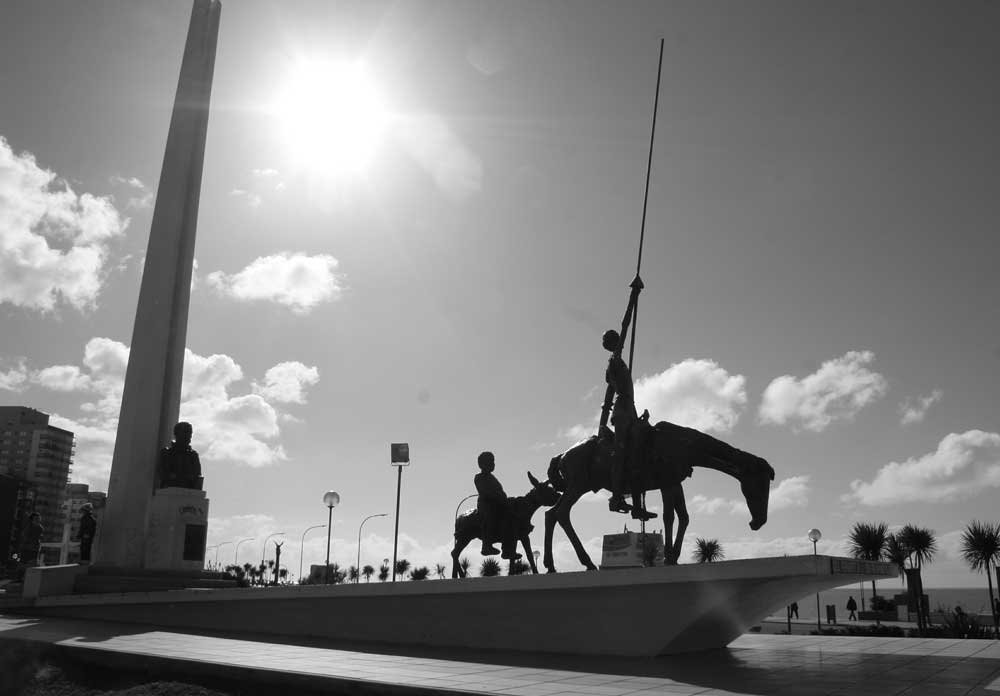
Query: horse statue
{"points": [[670, 452], [469, 526]]}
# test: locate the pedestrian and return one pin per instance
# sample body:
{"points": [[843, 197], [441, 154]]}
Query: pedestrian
{"points": [[88, 529], [31, 541], [852, 608], [794, 609]]}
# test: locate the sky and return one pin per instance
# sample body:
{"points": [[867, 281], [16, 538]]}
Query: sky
{"points": [[417, 219]]}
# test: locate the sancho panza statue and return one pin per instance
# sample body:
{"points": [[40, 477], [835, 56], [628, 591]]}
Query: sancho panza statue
{"points": [[179, 466]]}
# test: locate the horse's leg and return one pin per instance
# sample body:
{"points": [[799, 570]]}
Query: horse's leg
{"points": [[565, 505], [680, 509], [526, 545], [550, 525]]}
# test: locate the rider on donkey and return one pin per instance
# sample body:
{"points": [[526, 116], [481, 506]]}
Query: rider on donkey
{"points": [[492, 506], [626, 458]]}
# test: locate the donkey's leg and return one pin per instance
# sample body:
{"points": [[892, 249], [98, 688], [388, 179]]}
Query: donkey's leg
{"points": [[460, 544], [526, 545], [565, 505]]}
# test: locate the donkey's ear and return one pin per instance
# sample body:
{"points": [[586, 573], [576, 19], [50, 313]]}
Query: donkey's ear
{"points": [[534, 481]]}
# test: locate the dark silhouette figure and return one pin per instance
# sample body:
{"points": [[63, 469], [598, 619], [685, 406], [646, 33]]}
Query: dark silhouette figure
{"points": [[626, 459], [852, 608], [88, 530], [468, 526], [671, 452], [31, 541], [277, 560], [179, 464], [793, 609], [492, 505]]}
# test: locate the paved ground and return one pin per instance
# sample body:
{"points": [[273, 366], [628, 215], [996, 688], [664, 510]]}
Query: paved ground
{"points": [[754, 664]]}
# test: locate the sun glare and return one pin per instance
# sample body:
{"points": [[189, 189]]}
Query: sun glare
{"points": [[331, 117]]}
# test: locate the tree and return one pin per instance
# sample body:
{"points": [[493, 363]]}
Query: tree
{"points": [[866, 541], [420, 573], [283, 574], [708, 550], [919, 543], [464, 564], [440, 571], [981, 550], [517, 567], [489, 568], [352, 573], [402, 565], [368, 572], [383, 573], [895, 554]]}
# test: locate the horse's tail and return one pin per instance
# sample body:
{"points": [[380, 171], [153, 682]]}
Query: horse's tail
{"points": [[556, 477]]}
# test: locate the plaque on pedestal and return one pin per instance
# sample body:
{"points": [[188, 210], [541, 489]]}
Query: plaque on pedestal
{"points": [[178, 525]]}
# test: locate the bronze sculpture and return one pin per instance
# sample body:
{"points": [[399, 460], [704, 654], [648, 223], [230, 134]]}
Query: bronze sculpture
{"points": [[179, 466], [491, 506], [468, 525], [668, 454]]}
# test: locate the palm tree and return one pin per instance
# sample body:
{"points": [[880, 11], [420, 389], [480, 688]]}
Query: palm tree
{"points": [[283, 574], [352, 573], [895, 553], [368, 572], [383, 573], [464, 564], [920, 545], [517, 567], [708, 551], [866, 541], [489, 568], [981, 550], [440, 571], [402, 565], [420, 573]]}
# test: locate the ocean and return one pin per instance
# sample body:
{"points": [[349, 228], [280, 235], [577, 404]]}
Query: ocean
{"points": [[972, 600]]}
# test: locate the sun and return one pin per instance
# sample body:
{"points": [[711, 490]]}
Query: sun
{"points": [[331, 116]]}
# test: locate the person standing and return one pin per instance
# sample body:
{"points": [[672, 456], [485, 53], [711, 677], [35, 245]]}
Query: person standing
{"points": [[31, 541], [852, 608], [88, 530], [794, 609]]}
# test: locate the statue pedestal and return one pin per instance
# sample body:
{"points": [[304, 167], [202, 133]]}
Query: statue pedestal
{"points": [[178, 525]]}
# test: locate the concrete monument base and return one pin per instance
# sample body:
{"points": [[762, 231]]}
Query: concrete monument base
{"points": [[178, 525], [682, 608]]}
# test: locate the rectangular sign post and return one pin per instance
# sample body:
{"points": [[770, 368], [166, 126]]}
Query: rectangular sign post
{"points": [[400, 457]]}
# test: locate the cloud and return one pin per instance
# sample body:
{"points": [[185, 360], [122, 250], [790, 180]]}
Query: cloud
{"points": [[789, 493], [140, 197], [297, 281], [431, 142], [914, 412], [286, 382], [694, 393], [253, 200], [14, 379], [244, 428], [265, 173], [963, 465], [53, 242], [837, 391]]}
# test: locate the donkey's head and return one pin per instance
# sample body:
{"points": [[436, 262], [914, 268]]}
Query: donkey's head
{"points": [[542, 492]]}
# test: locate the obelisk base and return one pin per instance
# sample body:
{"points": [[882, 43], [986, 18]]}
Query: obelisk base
{"points": [[178, 526]]}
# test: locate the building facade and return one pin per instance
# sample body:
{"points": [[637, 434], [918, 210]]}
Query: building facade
{"points": [[40, 457]]}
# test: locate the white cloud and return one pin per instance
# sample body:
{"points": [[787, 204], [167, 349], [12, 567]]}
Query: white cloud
{"points": [[53, 242], [253, 200], [140, 197], [431, 142], [837, 391], [267, 173], [790, 492], [297, 281], [285, 382], [963, 465], [694, 393], [914, 411], [240, 428], [14, 379]]}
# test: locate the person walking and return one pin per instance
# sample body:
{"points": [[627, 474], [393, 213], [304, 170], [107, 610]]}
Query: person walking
{"points": [[88, 530], [852, 608], [793, 610]]}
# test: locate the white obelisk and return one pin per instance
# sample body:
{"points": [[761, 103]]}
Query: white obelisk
{"points": [[152, 393]]}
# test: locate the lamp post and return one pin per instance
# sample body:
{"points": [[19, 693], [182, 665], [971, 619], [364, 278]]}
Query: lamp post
{"points": [[331, 499], [814, 536], [459, 506], [358, 566], [219, 546], [399, 456], [302, 547], [264, 549], [236, 556]]}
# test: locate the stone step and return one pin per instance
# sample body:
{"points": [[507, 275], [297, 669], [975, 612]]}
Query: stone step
{"points": [[105, 584]]}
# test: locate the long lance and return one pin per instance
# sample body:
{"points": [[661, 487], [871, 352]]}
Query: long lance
{"points": [[632, 310]]}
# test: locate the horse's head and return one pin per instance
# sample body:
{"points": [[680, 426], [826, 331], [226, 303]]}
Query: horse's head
{"points": [[755, 482], [543, 491]]}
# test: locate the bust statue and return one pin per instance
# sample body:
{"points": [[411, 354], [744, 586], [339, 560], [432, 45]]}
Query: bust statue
{"points": [[179, 466]]}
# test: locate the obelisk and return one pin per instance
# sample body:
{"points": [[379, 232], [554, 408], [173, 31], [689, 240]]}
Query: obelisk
{"points": [[152, 392]]}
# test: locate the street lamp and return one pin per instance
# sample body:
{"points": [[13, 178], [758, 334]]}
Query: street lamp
{"points": [[219, 546], [236, 556], [814, 536], [459, 506], [263, 549], [302, 547], [358, 566], [331, 499]]}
